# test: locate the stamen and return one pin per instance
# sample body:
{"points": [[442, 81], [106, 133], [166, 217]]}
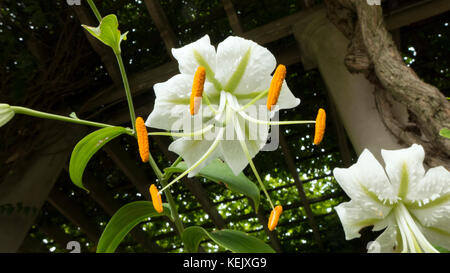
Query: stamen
{"points": [[156, 198], [275, 86], [255, 99], [320, 126], [419, 239], [290, 122], [274, 215], [142, 137], [196, 164], [234, 101], [195, 133], [241, 138], [197, 90]]}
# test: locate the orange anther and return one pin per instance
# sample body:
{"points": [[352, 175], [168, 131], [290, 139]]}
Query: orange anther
{"points": [[275, 86], [156, 198]]}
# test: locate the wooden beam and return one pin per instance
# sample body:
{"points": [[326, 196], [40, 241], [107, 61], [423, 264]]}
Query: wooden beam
{"points": [[30, 183], [278, 29], [415, 13], [129, 167], [232, 17], [74, 213], [162, 24], [139, 83]]}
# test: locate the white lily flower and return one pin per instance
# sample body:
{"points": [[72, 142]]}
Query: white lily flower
{"points": [[6, 113], [412, 206], [221, 86]]}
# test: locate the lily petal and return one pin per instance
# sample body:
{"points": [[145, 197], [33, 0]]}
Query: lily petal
{"points": [[232, 53], [437, 237], [388, 241], [287, 100], [429, 200], [172, 103], [255, 137], [188, 56], [192, 150], [366, 180], [404, 168], [356, 215]]}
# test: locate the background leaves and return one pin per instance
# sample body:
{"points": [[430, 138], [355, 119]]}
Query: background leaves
{"points": [[124, 220], [219, 172], [87, 147], [233, 240]]}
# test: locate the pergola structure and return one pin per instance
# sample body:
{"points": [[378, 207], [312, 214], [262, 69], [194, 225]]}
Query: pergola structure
{"points": [[315, 36]]}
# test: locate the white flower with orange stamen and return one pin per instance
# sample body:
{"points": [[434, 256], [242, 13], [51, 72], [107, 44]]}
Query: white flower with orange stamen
{"points": [[220, 90], [412, 206]]}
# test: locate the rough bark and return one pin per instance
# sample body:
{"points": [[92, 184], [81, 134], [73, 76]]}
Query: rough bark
{"points": [[373, 52]]}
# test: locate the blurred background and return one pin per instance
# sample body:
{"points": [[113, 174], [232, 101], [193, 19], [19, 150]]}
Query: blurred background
{"points": [[49, 63]]}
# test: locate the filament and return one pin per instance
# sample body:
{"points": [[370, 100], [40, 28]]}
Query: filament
{"points": [[250, 161], [196, 164], [195, 133]]}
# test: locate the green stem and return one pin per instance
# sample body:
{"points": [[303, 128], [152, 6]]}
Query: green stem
{"points": [[163, 180], [122, 72], [95, 10], [127, 90], [39, 114]]}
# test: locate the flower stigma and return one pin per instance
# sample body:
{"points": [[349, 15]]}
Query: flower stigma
{"points": [[197, 90], [274, 216], [320, 126], [156, 198], [142, 137], [275, 86]]}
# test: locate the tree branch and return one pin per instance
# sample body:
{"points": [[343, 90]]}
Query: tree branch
{"points": [[373, 53]]}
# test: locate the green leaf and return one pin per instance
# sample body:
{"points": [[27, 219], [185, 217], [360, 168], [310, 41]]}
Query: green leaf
{"points": [[124, 220], [445, 132], [108, 32], [86, 148], [236, 241], [218, 172]]}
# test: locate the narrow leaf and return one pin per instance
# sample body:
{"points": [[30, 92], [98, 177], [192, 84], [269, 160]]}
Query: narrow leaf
{"points": [[233, 240], [219, 172], [124, 220], [86, 148]]}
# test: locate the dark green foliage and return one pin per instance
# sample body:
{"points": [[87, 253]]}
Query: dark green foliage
{"points": [[47, 63]]}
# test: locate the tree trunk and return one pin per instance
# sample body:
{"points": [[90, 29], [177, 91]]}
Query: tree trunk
{"points": [[373, 52]]}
